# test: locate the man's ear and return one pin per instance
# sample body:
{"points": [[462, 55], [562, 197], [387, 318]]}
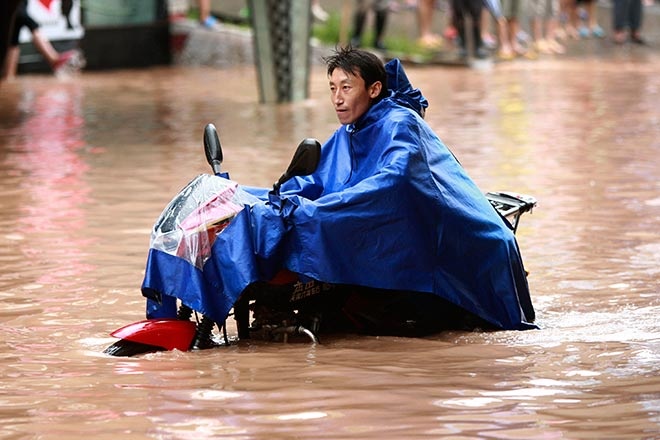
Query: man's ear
{"points": [[374, 89]]}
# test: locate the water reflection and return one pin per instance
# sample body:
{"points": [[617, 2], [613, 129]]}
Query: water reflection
{"points": [[43, 214], [88, 165]]}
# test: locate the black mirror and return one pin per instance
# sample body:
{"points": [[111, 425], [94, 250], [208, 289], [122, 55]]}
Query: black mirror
{"points": [[212, 147], [304, 162]]}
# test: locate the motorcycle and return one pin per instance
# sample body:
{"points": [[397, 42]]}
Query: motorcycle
{"points": [[288, 306]]}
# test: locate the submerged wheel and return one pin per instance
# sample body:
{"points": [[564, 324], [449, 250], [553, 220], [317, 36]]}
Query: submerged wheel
{"points": [[129, 348]]}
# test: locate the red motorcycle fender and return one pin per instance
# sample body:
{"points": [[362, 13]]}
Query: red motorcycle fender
{"points": [[169, 334]]}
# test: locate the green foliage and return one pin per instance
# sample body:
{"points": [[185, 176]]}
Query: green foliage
{"points": [[327, 32]]}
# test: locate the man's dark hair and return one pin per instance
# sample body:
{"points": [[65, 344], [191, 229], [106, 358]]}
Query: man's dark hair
{"points": [[359, 62]]}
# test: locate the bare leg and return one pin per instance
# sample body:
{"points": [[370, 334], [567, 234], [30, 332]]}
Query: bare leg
{"points": [[576, 20], [537, 35], [204, 10], [44, 47], [570, 10], [591, 14], [55, 59], [513, 36], [11, 63], [318, 12], [205, 17], [486, 36], [425, 19], [594, 27], [505, 52], [551, 36]]}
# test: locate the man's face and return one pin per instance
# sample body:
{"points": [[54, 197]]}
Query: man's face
{"points": [[349, 95]]}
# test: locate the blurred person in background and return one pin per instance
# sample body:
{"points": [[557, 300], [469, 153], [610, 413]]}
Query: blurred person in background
{"points": [[512, 11], [7, 14], [56, 60], [380, 9], [586, 10], [469, 9], [205, 18], [543, 16], [567, 10], [493, 10], [486, 36], [427, 38], [627, 14], [318, 12]]}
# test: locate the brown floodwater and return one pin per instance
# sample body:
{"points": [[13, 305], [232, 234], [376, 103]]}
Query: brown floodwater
{"points": [[86, 165]]}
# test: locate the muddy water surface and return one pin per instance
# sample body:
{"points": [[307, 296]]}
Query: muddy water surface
{"points": [[87, 165]]}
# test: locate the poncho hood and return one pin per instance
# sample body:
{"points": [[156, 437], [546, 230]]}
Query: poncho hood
{"points": [[402, 91]]}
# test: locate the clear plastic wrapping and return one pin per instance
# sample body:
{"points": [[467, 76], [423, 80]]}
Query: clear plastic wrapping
{"points": [[189, 224]]}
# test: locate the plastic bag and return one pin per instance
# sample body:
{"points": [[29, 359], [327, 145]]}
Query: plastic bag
{"points": [[189, 224]]}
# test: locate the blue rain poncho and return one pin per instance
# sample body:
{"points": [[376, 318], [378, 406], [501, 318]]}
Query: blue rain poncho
{"points": [[389, 207]]}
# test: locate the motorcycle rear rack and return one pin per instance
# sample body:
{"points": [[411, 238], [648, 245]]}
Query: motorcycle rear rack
{"points": [[511, 205]]}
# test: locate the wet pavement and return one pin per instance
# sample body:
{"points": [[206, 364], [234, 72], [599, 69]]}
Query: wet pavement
{"points": [[86, 166]]}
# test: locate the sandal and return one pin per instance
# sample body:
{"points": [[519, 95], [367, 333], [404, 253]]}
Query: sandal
{"points": [[597, 32]]}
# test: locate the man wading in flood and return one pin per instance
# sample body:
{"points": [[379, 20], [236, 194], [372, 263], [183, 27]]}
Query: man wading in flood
{"points": [[389, 210]]}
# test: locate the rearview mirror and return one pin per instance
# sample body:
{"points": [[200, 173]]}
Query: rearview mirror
{"points": [[304, 161], [212, 147]]}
